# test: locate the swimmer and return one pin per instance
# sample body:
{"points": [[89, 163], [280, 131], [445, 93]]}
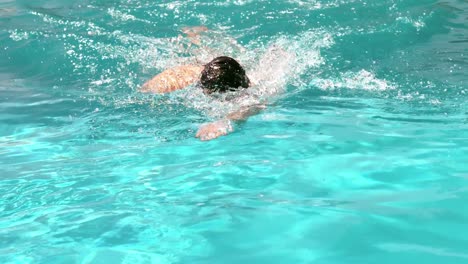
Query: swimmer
{"points": [[220, 75], [224, 74]]}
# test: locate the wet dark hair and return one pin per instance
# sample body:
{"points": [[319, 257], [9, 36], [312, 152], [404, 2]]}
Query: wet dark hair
{"points": [[223, 74]]}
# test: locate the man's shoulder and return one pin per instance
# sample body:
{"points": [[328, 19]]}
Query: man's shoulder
{"points": [[173, 79]]}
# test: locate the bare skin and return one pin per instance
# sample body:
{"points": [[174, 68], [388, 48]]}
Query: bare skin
{"points": [[173, 79], [193, 33], [182, 76], [214, 130], [185, 75], [224, 126], [179, 77]]}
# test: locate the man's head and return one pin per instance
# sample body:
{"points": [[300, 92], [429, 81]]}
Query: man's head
{"points": [[223, 74]]}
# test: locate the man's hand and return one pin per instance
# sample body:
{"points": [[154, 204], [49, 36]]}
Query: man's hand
{"points": [[245, 112], [214, 130], [193, 33]]}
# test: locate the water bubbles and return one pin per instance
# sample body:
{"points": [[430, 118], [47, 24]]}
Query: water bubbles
{"points": [[363, 79], [17, 35], [272, 66], [417, 23], [116, 14]]}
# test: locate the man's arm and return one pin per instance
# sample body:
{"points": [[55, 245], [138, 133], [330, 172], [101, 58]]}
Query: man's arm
{"points": [[178, 77], [224, 126], [245, 112], [173, 79], [193, 33]]}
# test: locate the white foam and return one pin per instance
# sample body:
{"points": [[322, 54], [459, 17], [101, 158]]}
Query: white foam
{"points": [[363, 79], [271, 68], [18, 35], [272, 64], [418, 23], [319, 5], [116, 14]]}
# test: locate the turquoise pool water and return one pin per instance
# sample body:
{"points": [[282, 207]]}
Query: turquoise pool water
{"points": [[360, 157]]}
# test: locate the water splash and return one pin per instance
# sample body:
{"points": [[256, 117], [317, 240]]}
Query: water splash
{"points": [[271, 68], [363, 79]]}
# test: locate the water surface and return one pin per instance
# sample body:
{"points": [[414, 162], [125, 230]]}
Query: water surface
{"points": [[360, 157]]}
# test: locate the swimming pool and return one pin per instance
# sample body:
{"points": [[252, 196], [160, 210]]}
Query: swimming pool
{"points": [[360, 157]]}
